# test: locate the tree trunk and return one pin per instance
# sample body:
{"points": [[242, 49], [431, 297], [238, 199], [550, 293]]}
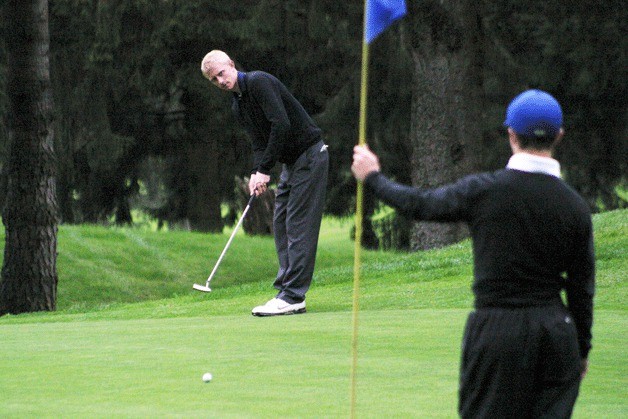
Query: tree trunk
{"points": [[445, 104], [30, 216]]}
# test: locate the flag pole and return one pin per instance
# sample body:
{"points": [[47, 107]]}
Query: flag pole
{"points": [[378, 15], [358, 222]]}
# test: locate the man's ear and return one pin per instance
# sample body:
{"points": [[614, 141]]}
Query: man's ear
{"points": [[559, 137], [514, 141]]}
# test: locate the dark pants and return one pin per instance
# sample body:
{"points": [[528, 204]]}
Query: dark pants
{"points": [[299, 206], [519, 363]]}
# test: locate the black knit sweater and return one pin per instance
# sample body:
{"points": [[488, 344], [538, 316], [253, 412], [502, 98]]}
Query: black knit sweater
{"points": [[280, 129], [532, 237]]}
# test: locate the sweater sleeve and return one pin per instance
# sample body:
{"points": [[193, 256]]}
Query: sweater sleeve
{"points": [[447, 203], [257, 141], [269, 99], [580, 288]]}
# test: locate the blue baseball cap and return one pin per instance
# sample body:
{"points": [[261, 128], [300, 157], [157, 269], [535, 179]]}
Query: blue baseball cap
{"points": [[534, 113]]}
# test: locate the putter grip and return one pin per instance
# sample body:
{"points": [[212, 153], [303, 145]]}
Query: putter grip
{"points": [[251, 199]]}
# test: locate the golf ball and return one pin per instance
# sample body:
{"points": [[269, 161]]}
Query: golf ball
{"points": [[207, 377]]}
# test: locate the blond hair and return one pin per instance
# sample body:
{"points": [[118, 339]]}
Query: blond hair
{"points": [[214, 57]]}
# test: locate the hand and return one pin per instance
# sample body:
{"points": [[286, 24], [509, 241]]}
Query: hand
{"points": [[259, 183], [364, 162]]}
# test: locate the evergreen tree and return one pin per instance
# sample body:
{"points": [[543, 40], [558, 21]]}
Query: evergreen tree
{"points": [[29, 273], [134, 115]]}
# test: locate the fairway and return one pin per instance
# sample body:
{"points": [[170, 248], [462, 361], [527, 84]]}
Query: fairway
{"points": [[152, 368], [132, 339]]}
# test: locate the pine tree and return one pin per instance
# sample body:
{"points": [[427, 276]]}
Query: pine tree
{"points": [[29, 274]]}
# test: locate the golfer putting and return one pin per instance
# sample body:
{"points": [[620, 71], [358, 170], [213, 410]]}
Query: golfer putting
{"points": [[524, 352], [282, 132]]}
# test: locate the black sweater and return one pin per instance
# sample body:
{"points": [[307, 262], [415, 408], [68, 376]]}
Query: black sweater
{"points": [[532, 237], [279, 127]]}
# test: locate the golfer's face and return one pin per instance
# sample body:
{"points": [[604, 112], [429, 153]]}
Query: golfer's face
{"points": [[223, 75]]}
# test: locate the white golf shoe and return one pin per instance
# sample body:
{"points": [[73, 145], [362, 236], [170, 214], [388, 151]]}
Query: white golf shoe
{"points": [[277, 307]]}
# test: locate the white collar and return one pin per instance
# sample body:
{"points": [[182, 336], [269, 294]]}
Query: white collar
{"points": [[534, 164]]}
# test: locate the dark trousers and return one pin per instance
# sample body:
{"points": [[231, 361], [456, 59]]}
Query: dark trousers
{"points": [[519, 363], [299, 206]]}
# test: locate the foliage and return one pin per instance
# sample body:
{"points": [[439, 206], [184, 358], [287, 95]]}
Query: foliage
{"points": [[392, 230], [134, 113], [577, 51]]}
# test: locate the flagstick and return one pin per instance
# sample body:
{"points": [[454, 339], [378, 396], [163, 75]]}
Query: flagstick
{"points": [[358, 228]]}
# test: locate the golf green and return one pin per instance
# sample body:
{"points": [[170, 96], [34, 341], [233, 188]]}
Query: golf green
{"points": [[290, 366]]}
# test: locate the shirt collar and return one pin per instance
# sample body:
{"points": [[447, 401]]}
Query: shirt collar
{"points": [[534, 164], [241, 84]]}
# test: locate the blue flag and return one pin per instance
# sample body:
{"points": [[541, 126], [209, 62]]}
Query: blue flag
{"points": [[380, 14]]}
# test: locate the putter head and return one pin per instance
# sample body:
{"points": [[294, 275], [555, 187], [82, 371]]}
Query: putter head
{"points": [[202, 288]]}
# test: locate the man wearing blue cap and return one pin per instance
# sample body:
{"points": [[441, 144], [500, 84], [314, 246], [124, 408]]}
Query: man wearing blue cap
{"points": [[524, 351]]}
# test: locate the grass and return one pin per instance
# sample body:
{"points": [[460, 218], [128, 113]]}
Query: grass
{"points": [[132, 339]]}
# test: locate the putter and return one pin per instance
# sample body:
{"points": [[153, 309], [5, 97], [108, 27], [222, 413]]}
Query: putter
{"points": [[205, 288]]}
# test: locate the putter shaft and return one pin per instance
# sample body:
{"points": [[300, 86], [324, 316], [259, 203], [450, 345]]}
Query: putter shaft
{"points": [[235, 230]]}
